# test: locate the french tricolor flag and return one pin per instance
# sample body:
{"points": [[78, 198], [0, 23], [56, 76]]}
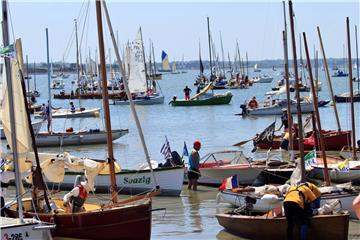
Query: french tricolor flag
{"points": [[229, 183]]}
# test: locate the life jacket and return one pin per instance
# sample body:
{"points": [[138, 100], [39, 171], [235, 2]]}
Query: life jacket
{"points": [[80, 200]]}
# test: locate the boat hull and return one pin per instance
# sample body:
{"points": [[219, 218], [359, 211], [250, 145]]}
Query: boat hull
{"points": [[76, 138], [66, 113], [346, 99], [275, 228], [36, 127], [246, 174], [277, 109], [109, 223], [215, 100], [334, 141], [170, 181], [150, 101]]}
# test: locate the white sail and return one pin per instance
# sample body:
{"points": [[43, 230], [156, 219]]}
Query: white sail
{"points": [[174, 67], [23, 138], [137, 76]]}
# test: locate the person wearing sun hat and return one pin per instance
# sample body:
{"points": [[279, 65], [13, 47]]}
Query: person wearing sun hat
{"points": [[76, 198], [193, 167]]}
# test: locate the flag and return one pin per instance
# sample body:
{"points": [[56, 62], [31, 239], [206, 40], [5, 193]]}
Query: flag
{"points": [[165, 150], [310, 159], [267, 136], [7, 51], [229, 183], [185, 150], [343, 166]]}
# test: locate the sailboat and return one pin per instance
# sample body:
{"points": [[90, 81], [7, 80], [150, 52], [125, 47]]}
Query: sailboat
{"points": [[110, 221], [273, 226], [143, 90], [183, 65], [346, 97], [165, 63], [173, 69], [17, 228], [256, 68]]}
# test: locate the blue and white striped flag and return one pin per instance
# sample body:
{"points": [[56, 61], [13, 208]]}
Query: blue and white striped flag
{"points": [[165, 150], [185, 150]]}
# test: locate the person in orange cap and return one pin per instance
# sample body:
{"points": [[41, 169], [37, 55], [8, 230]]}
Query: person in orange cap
{"points": [[193, 167]]}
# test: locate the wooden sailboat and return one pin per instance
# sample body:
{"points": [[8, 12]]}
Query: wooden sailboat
{"points": [[19, 228], [270, 226], [110, 221], [143, 90]]}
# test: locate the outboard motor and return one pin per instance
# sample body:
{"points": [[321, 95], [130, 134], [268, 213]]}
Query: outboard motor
{"points": [[244, 109]]}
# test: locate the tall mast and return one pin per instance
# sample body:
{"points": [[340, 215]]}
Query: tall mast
{"points": [[230, 68], [357, 58], [247, 64], [318, 122], [329, 80], [126, 86], [222, 53], [153, 55], [48, 76], [143, 53], [351, 91], [27, 75], [286, 58], [238, 52], [209, 39], [298, 106], [77, 52], [34, 76], [13, 143], [105, 96]]}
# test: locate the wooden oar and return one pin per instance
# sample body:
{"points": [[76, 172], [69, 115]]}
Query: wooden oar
{"points": [[243, 142]]}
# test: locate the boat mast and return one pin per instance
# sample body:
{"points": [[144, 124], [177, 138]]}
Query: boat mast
{"points": [[105, 96], [351, 91], [298, 106], [77, 53], [143, 54], [34, 77], [153, 55], [247, 65], [329, 80], [126, 86], [13, 143], [286, 57], [27, 77], [318, 122], [357, 59], [48, 76], [222, 53], [209, 39]]}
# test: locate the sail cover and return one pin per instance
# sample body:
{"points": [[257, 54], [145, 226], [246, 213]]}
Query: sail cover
{"points": [[137, 76], [23, 139]]}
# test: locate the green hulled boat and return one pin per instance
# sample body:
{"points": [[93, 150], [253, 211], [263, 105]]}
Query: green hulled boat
{"points": [[204, 99]]}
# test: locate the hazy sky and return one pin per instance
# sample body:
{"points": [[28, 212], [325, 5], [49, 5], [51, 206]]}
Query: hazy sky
{"points": [[178, 27]]}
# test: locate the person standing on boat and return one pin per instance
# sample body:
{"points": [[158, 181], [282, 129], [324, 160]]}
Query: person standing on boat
{"points": [[72, 107], [45, 111], [187, 92], [194, 166], [299, 201], [76, 198]]}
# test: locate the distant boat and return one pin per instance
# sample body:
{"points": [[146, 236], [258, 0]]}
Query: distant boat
{"points": [[274, 69], [173, 69], [263, 79], [165, 63], [256, 68], [340, 73]]}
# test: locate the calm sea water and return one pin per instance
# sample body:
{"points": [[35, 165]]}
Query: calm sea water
{"points": [[191, 216]]}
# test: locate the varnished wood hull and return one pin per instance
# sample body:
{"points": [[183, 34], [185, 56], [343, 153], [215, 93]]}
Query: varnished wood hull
{"points": [[131, 221], [261, 227]]}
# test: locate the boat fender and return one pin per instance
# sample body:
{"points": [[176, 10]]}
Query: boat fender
{"points": [[270, 199], [70, 129]]}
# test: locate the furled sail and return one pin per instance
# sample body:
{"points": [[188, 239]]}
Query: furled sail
{"points": [[137, 76], [23, 139]]}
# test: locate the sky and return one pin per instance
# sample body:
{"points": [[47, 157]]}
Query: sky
{"points": [[178, 27]]}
